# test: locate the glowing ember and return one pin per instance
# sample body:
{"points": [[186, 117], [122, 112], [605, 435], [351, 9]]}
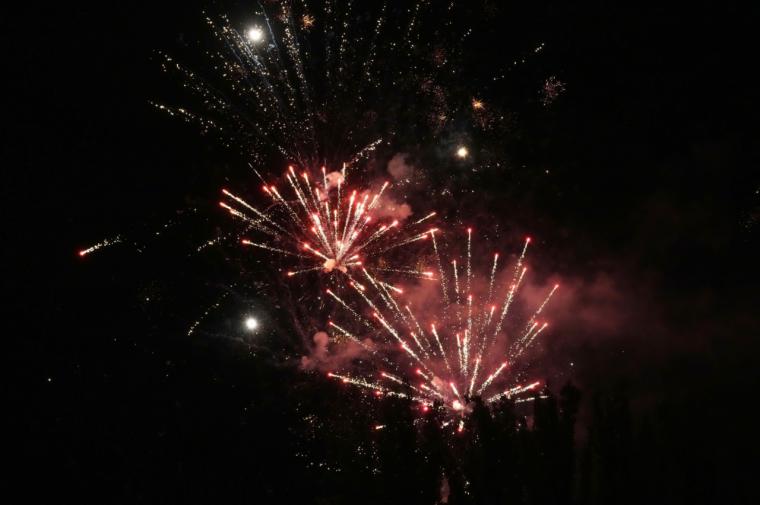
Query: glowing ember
{"points": [[255, 34], [251, 323]]}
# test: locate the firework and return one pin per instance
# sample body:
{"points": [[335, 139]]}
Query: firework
{"points": [[100, 245], [324, 225], [313, 82], [450, 357], [282, 86], [551, 90], [287, 87]]}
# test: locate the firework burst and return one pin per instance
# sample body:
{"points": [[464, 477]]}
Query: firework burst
{"points": [[459, 353], [324, 225]]}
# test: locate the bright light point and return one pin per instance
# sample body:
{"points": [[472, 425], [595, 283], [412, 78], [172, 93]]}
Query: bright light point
{"points": [[251, 324], [527, 239], [255, 34], [457, 405], [82, 253], [462, 152]]}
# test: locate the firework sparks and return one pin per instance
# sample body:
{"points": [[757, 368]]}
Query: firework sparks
{"points": [[275, 83], [264, 101], [100, 245], [329, 227], [551, 90], [452, 358]]}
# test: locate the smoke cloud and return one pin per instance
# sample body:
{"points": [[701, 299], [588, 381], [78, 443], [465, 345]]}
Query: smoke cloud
{"points": [[398, 168], [324, 357]]}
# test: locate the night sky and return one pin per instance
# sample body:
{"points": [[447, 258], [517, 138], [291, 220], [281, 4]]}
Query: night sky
{"points": [[640, 182]]}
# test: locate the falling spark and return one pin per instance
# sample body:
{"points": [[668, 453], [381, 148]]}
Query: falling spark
{"points": [[100, 245]]}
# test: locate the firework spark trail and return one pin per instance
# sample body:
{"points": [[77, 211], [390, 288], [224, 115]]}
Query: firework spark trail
{"points": [[412, 273], [444, 287], [236, 234], [100, 245], [400, 340], [509, 393], [348, 307], [277, 250], [358, 381], [474, 376], [469, 258], [432, 214], [206, 312], [467, 336], [138, 241], [432, 391], [368, 348], [423, 335], [252, 224], [493, 277], [516, 280], [460, 354], [528, 340], [456, 281], [398, 313], [421, 236], [390, 302], [524, 342], [453, 347], [404, 383], [491, 377], [445, 357]]}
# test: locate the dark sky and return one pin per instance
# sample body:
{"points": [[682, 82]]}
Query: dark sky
{"points": [[651, 211]]}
